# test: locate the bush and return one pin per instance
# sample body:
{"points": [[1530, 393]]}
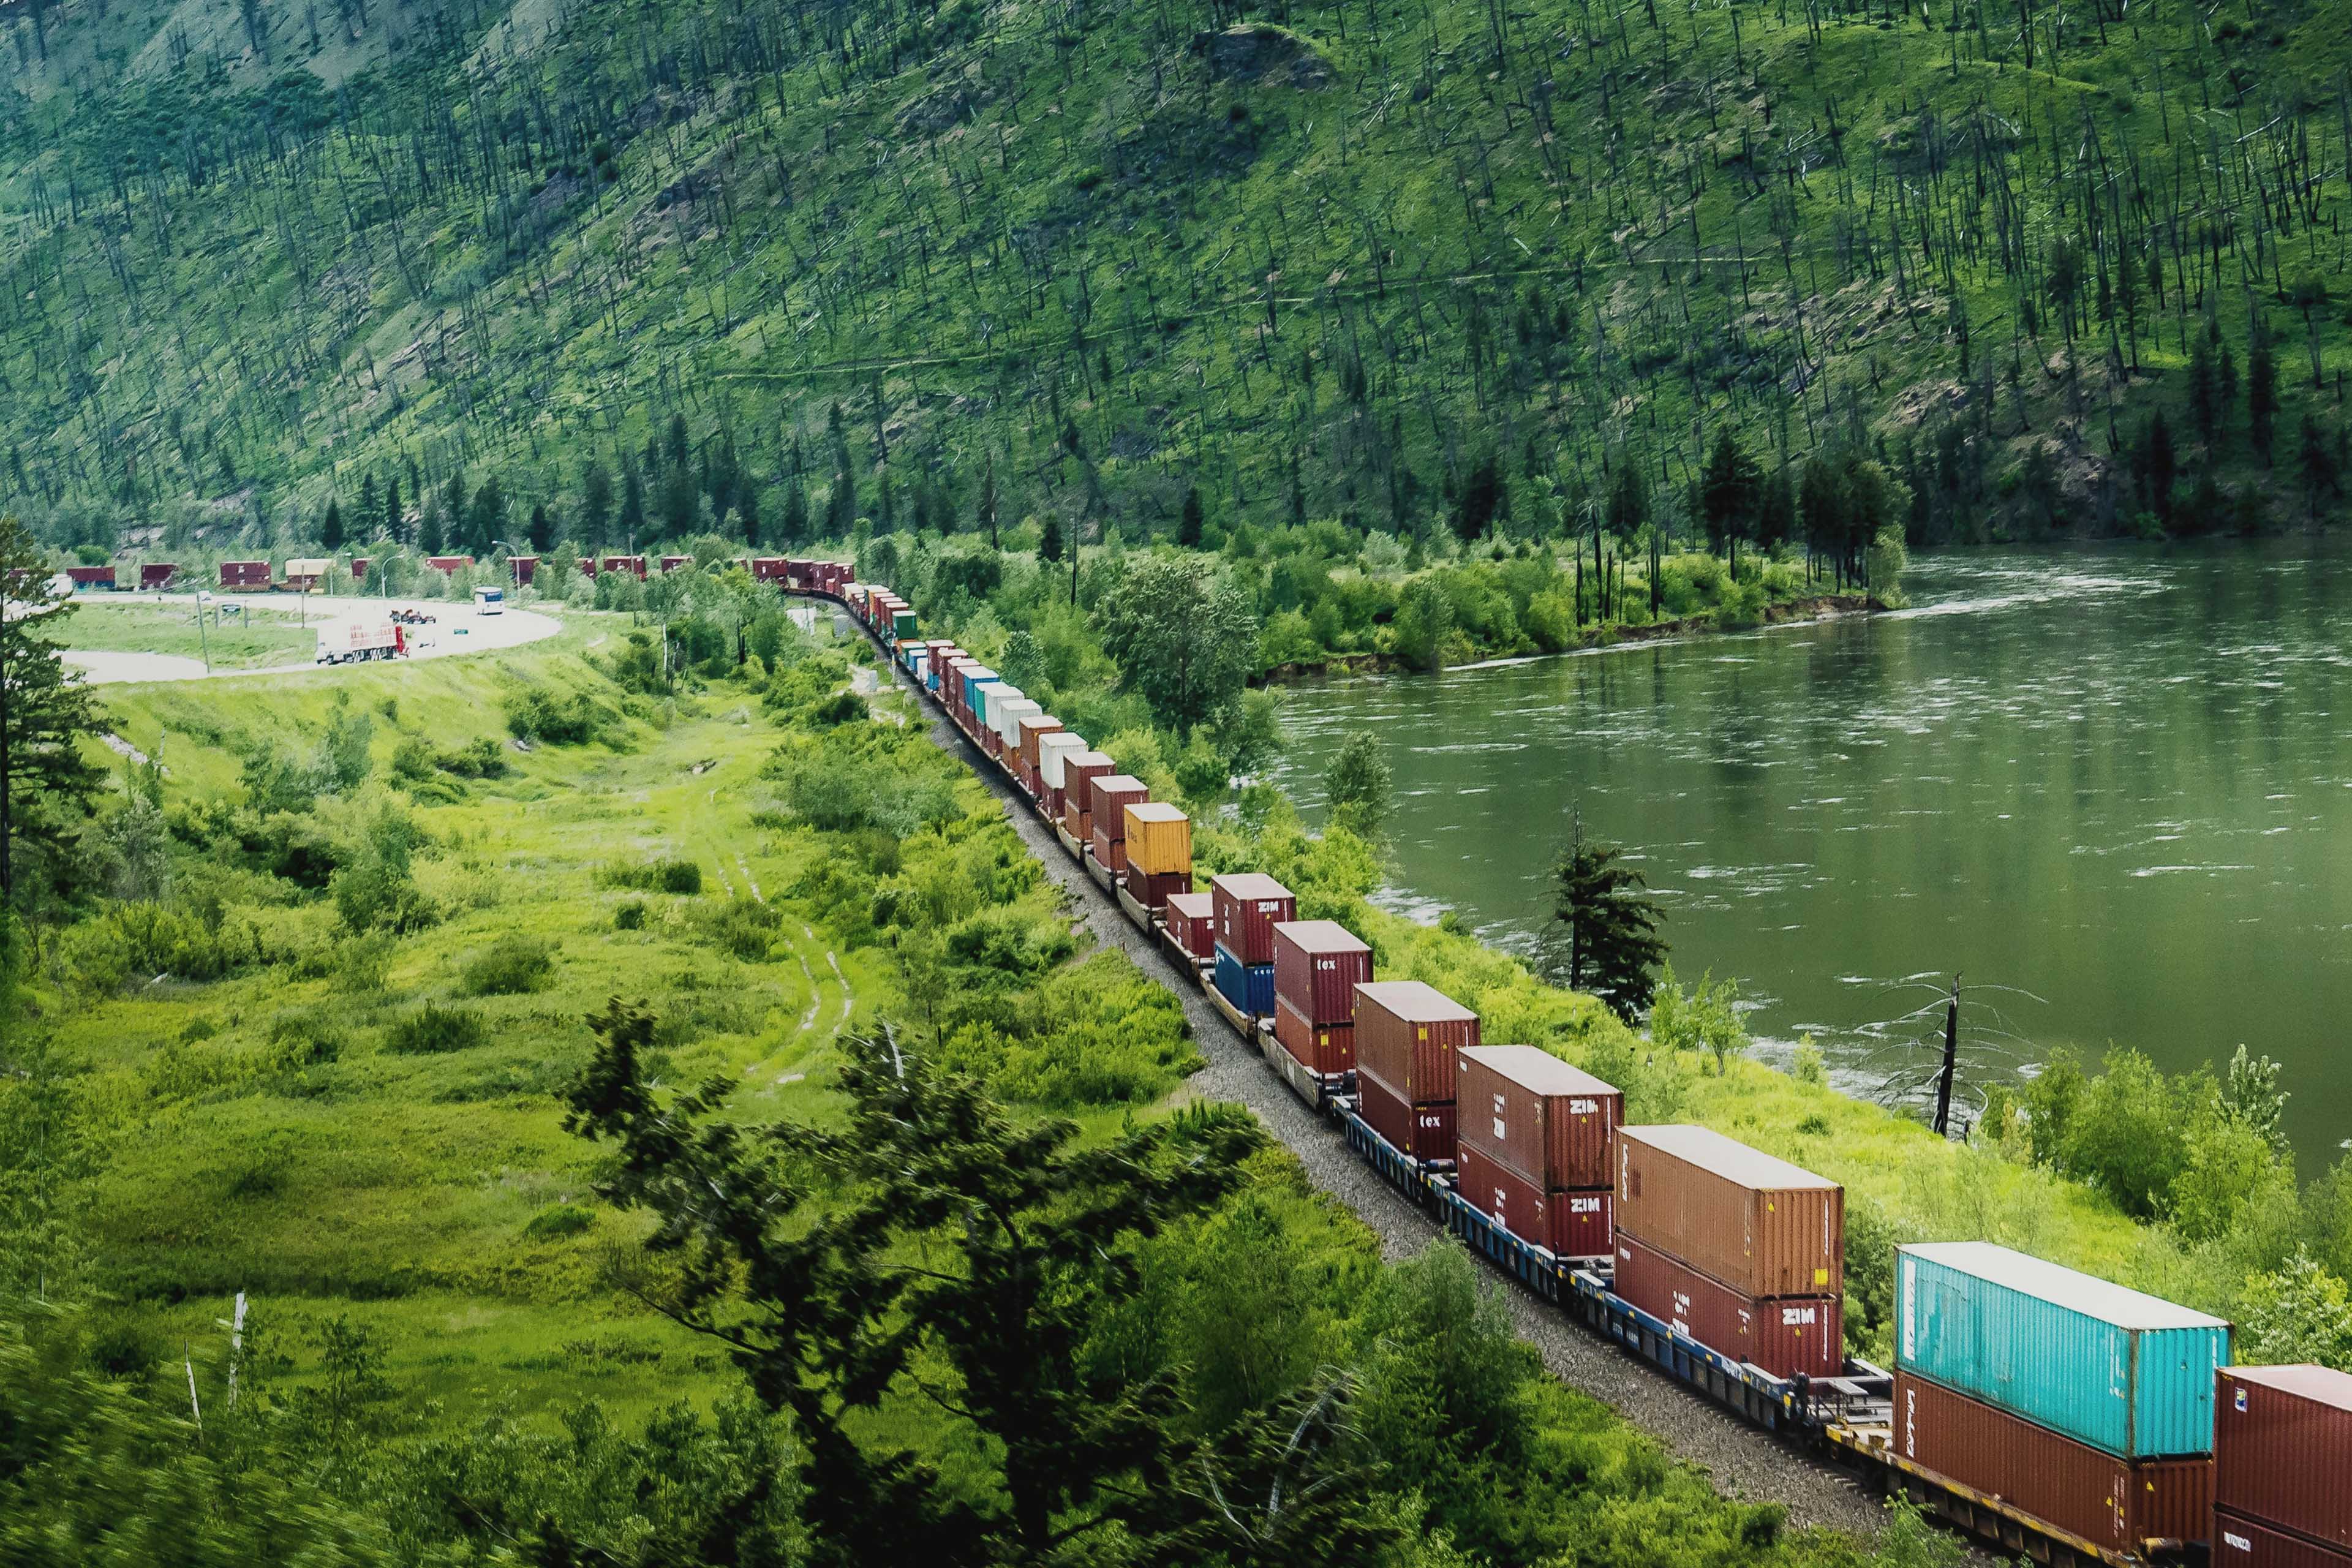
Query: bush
{"points": [[433, 1030], [654, 876], [557, 718], [142, 940], [301, 1039], [630, 915], [511, 966], [743, 927], [555, 1223]]}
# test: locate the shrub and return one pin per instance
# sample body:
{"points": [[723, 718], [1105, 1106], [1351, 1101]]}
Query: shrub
{"points": [[557, 718], [262, 1168], [743, 927], [630, 915], [431, 1030], [300, 1039], [555, 1223], [362, 963], [654, 876], [509, 967]]}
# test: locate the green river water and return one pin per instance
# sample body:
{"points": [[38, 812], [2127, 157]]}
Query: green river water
{"points": [[2118, 780]]}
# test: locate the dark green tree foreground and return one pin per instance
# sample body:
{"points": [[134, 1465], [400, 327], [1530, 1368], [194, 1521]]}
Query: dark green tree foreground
{"points": [[1604, 927]]}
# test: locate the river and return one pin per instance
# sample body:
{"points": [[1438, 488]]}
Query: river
{"points": [[2111, 788]]}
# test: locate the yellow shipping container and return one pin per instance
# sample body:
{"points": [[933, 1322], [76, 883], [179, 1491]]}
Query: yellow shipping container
{"points": [[1159, 838]]}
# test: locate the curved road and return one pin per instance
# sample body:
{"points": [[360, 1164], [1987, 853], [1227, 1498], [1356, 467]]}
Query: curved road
{"points": [[457, 629]]}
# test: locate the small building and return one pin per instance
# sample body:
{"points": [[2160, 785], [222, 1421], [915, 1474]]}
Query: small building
{"points": [[245, 576], [524, 568], [154, 576]]}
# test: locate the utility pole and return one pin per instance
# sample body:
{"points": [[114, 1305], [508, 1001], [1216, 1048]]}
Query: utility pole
{"points": [[1951, 1061]]}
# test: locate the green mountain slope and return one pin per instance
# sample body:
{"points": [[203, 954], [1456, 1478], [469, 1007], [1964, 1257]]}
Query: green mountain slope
{"points": [[1352, 261]]}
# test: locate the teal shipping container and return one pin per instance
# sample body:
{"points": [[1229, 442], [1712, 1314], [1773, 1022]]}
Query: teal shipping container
{"points": [[2102, 1364]]}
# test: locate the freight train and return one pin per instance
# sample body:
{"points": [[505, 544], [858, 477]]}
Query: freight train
{"points": [[310, 574], [2045, 1412]]}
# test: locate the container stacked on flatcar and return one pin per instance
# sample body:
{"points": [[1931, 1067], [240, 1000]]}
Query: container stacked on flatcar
{"points": [[1079, 772], [1029, 765], [1245, 907], [2083, 1404], [1189, 929], [1053, 750], [2283, 1468], [1407, 1036], [1110, 796], [86, 579], [1318, 964], [1735, 1248], [1533, 1143], [154, 576], [244, 576], [1159, 853]]}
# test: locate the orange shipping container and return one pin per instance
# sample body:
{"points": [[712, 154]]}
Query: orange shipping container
{"points": [[1159, 838], [1033, 726], [1530, 1111], [1761, 1225], [1406, 1035], [1326, 1048]]}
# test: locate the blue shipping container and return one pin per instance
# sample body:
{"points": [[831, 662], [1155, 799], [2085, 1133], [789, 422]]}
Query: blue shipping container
{"points": [[2123, 1372], [1248, 986]]}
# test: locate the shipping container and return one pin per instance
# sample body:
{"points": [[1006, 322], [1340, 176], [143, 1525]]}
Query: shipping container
{"points": [[359, 567], [2116, 1504], [1423, 1131], [1006, 708], [1530, 1111], [450, 565], [2283, 1449], [1188, 922], [1325, 1048], [670, 563], [1054, 753], [244, 573], [1249, 905], [1318, 964], [902, 623], [85, 578], [522, 568], [1248, 986], [770, 569], [1568, 1224], [1034, 728], [156, 576], [1406, 1035], [1108, 797], [1760, 1225], [2242, 1542], [633, 564], [2096, 1362], [1079, 770], [1788, 1336], [1109, 853], [1154, 888], [1160, 837]]}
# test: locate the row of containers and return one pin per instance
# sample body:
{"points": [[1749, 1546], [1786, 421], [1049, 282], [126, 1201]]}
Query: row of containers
{"points": [[302, 573], [2111, 1417]]}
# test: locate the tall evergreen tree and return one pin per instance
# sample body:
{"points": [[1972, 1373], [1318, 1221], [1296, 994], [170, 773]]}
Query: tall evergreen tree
{"points": [[1049, 540], [486, 517], [331, 527], [1727, 493], [796, 513], [747, 511], [369, 510], [632, 504], [395, 520], [1191, 522], [595, 503], [2261, 391], [542, 528], [1606, 940], [48, 786]]}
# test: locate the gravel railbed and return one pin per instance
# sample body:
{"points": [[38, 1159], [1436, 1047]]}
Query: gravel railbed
{"points": [[1743, 1462]]}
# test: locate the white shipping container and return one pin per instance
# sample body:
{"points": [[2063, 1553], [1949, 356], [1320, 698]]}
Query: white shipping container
{"points": [[1051, 751], [1005, 717]]}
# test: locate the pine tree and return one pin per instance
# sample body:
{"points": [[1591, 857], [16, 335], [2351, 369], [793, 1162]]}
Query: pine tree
{"points": [[1607, 943], [395, 524], [747, 512], [595, 503], [48, 786], [632, 504], [1049, 542], [542, 528], [796, 513], [369, 510], [331, 527], [1191, 522], [2321, 475], [2262, 392], [1727, 493], [2204, 391], [680, 446], [486, 519]]}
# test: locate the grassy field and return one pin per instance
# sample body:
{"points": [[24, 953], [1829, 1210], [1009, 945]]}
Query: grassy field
{"points": [[256, 639], [436, 1196]]}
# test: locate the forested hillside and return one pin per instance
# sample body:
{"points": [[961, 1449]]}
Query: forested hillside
{"points": [[2058, 267]]}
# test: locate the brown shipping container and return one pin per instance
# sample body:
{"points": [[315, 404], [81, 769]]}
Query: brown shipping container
{"points": [[1249, 905], [1547, 1121], [1188, 922], [1760, 1225], [2240, 1542], [1326, 1048], [1318, 964], [1423, 1131], [1151, 889], [1032, 726], [1407, 1033], [1079, 771], [1107, 798], [1111, 854], [1158, 837], [2112, 1503], [1569, 1223], [1788, 1336], [2283, 1449]]}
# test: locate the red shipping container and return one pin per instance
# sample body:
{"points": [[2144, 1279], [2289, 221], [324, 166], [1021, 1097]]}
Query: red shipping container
{"points": [[523, 567], [1761, 1225], [1111, 854], [1188, 922], [1079, 770], [1788, 1336], [1152, 890], [2114, 1504], [1326, 1048], [1108, 797], [1549, 1122], [1318, 964], [2283, 1449], [1249, 905], [1423, 1131], [1568, 1224], [1032, 726], [159, 573], [2248, 1544], [245, 574], [1406, 1035]]}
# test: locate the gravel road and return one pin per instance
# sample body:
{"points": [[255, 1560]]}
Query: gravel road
{"points": [[457, 629], [1742, 1461]]}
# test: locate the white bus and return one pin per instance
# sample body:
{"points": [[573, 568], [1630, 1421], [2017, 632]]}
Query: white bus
{"points": [[489, 601]]}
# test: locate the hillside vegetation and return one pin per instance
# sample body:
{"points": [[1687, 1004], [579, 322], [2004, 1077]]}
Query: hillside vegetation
{"points": [[969, 264]]}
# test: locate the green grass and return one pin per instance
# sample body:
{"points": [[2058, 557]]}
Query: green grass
{"points": [[257, 638]]}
